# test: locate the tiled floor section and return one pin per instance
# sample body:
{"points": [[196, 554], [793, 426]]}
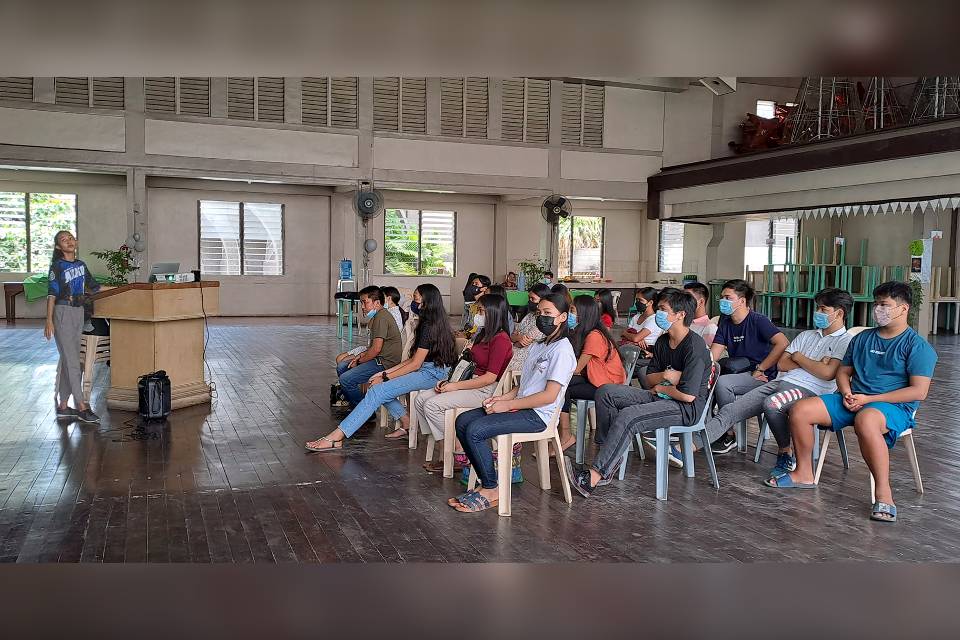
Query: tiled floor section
{"points": [[232, 482]]}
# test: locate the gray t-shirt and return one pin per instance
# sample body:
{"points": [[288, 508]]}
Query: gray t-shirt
{"points": [[816, 346], [544, 362]]}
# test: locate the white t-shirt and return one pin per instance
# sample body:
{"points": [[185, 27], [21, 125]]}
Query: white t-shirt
{"points": [[816, 346], [395, 312], [650, 324], [544, 362]]}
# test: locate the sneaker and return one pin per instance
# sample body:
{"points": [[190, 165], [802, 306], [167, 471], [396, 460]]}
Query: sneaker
{"points": [[785, 464], [579, 479], [726, 444], [675, 458], [68, 412], [578, 467], [88, 416]]}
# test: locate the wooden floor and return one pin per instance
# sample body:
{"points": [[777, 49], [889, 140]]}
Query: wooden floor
{"points": [[232, 482]]}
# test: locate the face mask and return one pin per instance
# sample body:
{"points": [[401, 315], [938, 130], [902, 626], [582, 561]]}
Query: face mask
{"points": [[882, 315], [415, 308], [545, 325], [726, 307], [479, 321], [546, 280], [371, 313], [571, 320], [661, 319], [639, 307], [821, 320]]}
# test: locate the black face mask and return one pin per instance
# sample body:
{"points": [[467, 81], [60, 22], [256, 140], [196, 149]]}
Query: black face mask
{"points": [[415, 308], [546, 325], [641, 307]]}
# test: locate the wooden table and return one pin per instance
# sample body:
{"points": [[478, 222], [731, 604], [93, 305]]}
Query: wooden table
{"points": [[10, 292]]}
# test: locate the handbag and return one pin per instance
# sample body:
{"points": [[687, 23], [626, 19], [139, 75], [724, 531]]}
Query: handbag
{"points": [[735, 365], [464, 368]]}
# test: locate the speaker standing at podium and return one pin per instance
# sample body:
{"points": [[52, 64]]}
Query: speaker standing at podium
{"points": [[66, 293]]}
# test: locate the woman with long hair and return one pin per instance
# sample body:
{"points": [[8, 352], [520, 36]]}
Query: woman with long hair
{"points": [[526, 333], [643, 330], [433, 355], [598, 362], [490, 351], [608, 311], [70, 279], [526, 409]]}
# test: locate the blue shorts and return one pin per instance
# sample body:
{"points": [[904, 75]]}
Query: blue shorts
{"points": [[899, 418]]}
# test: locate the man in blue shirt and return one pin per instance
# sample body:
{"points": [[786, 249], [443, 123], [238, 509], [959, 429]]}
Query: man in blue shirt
{"points": [[884, 375], [749, 337]]}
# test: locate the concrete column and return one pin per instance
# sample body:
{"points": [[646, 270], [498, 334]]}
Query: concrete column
{"points": [[433, 107], [495, 108], [45, 90], [292, 94], [712, 259], [218, 97], [922, 222]]}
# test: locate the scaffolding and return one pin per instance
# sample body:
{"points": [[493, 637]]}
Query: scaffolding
{"points": [[936, 97], [881, 108], [826, 108]]}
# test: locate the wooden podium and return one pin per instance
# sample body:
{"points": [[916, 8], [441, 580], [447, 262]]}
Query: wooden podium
{"points": [[156, 326]]}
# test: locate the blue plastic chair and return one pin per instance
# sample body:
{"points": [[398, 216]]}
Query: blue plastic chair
{"points": [[629, 358], [686, 445]]}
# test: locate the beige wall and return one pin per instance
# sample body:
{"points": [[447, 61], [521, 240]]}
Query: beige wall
{"points": [[735, 107], [101, 217], [52, 128], [633, 119], [687, 126], [305, 286]]}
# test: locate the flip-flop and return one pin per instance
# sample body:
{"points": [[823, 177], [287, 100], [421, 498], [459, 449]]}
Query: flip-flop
{"points": [[883, 512], [786, 482], [335, 446], [396, 435], [474, 503], [454, 501]]}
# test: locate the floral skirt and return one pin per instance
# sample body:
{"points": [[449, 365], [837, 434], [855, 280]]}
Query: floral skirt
{"points": [[516, 474]]}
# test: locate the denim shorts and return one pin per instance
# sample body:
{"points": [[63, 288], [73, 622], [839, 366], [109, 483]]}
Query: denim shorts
{"points": [[899, 418]]}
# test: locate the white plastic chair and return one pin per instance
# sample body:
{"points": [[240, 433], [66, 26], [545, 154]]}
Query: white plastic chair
{"points": [[906, 436], [504, 468], [588, 407]]}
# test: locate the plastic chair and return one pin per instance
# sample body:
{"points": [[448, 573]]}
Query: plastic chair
{"points": [[585, 407], [906, 436], [542, 439], [450, 428], [93, 349], [686, 445]]}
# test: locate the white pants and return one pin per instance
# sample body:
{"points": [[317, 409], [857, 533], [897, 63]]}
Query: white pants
{"points": [[431, 406]]}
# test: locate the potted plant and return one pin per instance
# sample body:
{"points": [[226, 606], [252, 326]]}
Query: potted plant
{"points": [[532, 270], [120, 262]]}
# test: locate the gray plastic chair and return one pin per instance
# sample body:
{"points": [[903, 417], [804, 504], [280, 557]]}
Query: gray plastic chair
{"points": [[629, 358]]}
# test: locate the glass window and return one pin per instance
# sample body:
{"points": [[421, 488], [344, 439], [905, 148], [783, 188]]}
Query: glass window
{"points": [[670, 254], [580, 247], [241, 238], [28, 223], [755, 251], [766, 108], [419, 242]]}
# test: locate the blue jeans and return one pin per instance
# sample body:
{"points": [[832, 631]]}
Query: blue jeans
{"points": [[476, 427], [386, 393], [351, 379]]}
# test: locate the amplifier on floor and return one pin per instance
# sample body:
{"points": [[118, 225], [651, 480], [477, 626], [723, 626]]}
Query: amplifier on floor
{"points": [[154, 391]]}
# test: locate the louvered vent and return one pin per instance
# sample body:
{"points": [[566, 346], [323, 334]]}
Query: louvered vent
{"points": [[343, 102], [108, 93], [538, 111], [511, 123], [593, 115], [16, 89], [386, 101], [572, 109], [476, 107], [160, 95], [313, 101], [73, 91], [195, 96], [270, 99], [413, 92], [240, 98], [451, 106]]}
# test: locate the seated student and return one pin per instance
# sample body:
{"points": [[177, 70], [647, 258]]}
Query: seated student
{"points": [[384, 350], [490, 350], [526, 409], [642, 330], [548, 278], [807, 369], [526, 333], [702, 324], [608, 312], [754, 346], [391, 302], [493, 289], [481, 284], [430, 363], [679, 374], [884, 375], [598, 362], [510, 281], [470, 292], [561, 289]]}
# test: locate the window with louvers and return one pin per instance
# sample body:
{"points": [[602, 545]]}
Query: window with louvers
{"points": [[419, 242], [343, 102], [511, 126], [413, 105], [538, 111], [240, 105], [108, 93], [73, 91], [270, 99], [593, 96], [28, 224], [386, 104], [476, 107], [313, 101], [195, 96], [329, 102], [451, 106], [582, 119], [670, 255], [464, 107], [160, 94], [525, 115], [16, 89], [572, 108], [241, 238]]}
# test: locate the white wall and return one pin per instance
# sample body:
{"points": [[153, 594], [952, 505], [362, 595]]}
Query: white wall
{"points": [[633, 119], [101, 217], [687, 126], [305, 286]]}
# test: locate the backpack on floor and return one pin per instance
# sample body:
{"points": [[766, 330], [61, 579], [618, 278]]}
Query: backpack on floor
{"points": [[154, 395], [336, 395]]}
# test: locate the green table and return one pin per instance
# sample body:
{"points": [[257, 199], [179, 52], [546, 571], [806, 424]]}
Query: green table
{"points": [[36, 284], [517, 298], [582, 292]]}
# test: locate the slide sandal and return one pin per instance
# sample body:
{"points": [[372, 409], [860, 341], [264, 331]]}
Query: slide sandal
{"points": [[786, 482], [883, 512]]}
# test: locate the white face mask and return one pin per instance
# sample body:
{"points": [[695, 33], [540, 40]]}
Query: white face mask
{"points": [[479, 321], [883, 315]]}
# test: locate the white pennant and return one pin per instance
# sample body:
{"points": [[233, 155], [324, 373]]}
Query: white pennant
{"points": [[954, 203], [944, 202]]}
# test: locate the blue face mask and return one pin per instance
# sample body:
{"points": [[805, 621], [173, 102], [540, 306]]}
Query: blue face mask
{"points": [[415, 308], [371, 313], [726, 307], [571, 320], [821, 320], [661, 319]]}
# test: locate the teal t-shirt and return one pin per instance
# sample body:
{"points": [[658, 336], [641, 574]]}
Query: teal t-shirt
{"points": [[884, 365]]}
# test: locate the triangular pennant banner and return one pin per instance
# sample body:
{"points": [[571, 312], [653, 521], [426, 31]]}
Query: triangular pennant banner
{"points": [[954, 203]]}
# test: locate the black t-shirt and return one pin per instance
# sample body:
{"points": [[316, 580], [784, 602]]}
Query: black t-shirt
{"points": [[692, 359]]}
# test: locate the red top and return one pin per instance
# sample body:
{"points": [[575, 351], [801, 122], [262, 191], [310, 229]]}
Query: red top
{"points": [[493, 356], [605, 367], [606, 320]]}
